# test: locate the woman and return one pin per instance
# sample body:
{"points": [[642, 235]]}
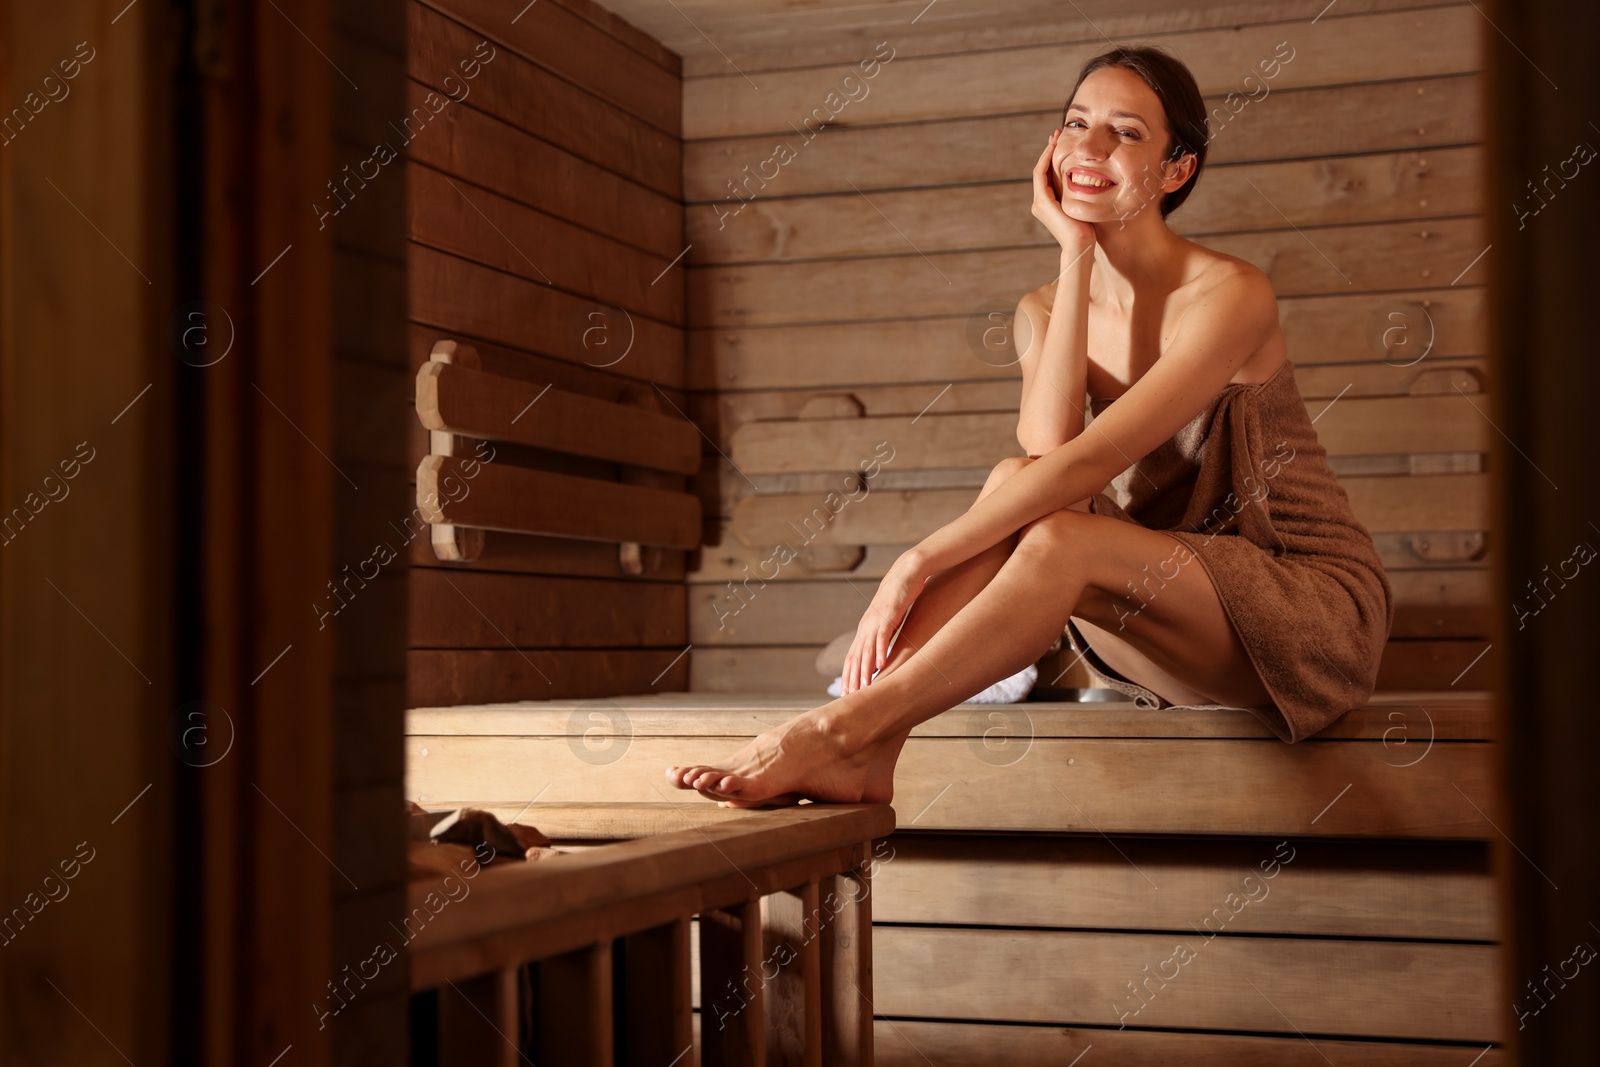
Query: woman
{"points": [[1199, 429]]}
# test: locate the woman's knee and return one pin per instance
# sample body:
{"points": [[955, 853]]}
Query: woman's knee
{"points": [[1052, 532]]}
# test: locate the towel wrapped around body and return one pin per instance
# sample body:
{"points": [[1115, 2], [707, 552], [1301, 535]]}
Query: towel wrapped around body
{"points": [[1247, 491]]}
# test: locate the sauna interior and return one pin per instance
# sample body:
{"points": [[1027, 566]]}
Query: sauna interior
{"points": [[683, 271], [427, 420]]}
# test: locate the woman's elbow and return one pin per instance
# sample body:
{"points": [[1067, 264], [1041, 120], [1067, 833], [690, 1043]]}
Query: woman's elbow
{"points": [[1036, 442]]}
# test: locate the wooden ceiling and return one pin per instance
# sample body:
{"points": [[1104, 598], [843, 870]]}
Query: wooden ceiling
{"points": [[729, 36]]}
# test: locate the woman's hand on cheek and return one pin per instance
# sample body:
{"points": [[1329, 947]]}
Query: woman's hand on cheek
{"points": [[1073, 235]]}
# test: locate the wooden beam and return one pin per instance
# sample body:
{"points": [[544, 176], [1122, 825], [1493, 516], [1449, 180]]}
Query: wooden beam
{"points": [[732, 992], [473, 404], [520, 500], [575, 1007], [657, 1007], [847, 989]]}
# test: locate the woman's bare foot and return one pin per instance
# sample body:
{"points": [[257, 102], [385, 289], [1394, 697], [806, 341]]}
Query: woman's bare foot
{"points": [[802, 758], [879, 783]]}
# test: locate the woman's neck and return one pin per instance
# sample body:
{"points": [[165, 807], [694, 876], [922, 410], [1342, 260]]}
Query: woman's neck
{"points": [[1136, 259]]}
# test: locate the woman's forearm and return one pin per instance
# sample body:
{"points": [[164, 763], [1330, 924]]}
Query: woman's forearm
{"points": [[1051, 412], [1058, 479]]}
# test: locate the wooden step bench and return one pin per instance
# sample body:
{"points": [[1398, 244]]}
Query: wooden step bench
{"points": [[1163, 885]]}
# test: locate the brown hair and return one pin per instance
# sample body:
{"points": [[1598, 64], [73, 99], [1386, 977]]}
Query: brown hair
{"points": [[1181, 104]]}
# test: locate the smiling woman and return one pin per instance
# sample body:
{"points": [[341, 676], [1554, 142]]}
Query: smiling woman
{"points": [[1289, 612]]}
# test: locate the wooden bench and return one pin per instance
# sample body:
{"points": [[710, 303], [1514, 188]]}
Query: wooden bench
{"points": [[1050, 859], [594, 958]]}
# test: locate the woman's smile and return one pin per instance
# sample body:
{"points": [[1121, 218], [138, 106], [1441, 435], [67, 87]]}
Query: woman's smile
{"points": [[1087, 182]]}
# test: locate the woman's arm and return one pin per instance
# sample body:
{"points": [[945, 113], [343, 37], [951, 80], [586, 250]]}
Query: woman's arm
{"points": [[1055, 360], [1227, 324]]}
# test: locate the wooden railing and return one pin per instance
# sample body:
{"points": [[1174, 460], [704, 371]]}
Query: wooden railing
{"points": [[783, 904]]}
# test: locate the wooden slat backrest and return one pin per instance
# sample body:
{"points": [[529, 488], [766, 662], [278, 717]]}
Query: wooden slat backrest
{"points": [[460, 497]]}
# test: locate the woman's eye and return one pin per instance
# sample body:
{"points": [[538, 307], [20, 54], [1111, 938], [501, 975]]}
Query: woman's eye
{"points": [[1134, 132]]}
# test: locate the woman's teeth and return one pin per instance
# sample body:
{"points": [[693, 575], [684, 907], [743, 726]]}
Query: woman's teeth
{"points": [[1094, 183]]}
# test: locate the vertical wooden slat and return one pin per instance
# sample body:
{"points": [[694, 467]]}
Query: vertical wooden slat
{"points": [[575, 1008], [792, 974], [731, 994], [478, 1020], [847, 970], [657, 1006]]}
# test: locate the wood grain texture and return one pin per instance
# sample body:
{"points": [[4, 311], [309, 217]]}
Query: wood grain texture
{"points": [[489, 407], [603, 56], [869, 357], [1264, 985], [1208, 885], [469, 610], [1170, 786], [1368, 257], [1307, 124], [519, 500], [455, 676], [900, 1043], [1360, 49]]}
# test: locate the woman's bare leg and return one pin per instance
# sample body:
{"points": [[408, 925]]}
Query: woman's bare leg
{"points": [[1084, 561]]}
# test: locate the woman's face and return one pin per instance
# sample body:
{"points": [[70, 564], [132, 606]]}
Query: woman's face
{"points": [[1115, 130]]}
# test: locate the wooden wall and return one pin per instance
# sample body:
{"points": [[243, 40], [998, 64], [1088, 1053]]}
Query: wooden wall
{"points": [[546, 229], [862, 260], [87, 685]]}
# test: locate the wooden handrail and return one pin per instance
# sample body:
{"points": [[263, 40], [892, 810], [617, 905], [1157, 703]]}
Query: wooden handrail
{"points": [[470, 936]]}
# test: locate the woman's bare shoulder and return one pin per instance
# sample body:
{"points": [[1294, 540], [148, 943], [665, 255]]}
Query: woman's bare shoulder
{"points": [[1212, 271]]}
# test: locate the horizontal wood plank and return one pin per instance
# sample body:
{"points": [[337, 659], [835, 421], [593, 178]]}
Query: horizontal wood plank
{"points": [[1098, 785], [470, 610], [519, 500], [600, 382], [1366, 48], [1373, 258], [1456, 715], [1213, 886], [535, 100], [583, 53], [508, 553], [1437, 603], [1261, 985], [459, 676], [744, 670], [461, 298], [1308, 124], [1346, 190], [473, 146], [759, 39], [473, 404], [900, 1043], [943, 347], [487, 228], [1381, 504], [1352, 427]]}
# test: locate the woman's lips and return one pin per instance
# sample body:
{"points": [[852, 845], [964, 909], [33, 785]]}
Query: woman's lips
{"points": [[1073, 184]]}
